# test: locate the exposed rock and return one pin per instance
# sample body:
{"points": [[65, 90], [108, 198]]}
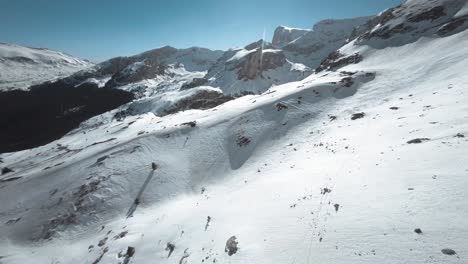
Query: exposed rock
{"points": [[452, 25], [208, 220], [417, 140], [6, 170], [337, 207], [121, 235], [284, 35], [194, 83], [231, 246], [170, 247], [257, 62], [102, 242], [337, 60], [448, 251], [190, 124], [242, 140], [202, 100], [431, 14], [418, 231], [357, 116], [281, 106]]}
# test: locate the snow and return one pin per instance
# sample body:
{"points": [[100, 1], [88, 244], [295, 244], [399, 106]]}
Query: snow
{"points": [[463, 11], [21, 67], [240, 54], [302, 184]]}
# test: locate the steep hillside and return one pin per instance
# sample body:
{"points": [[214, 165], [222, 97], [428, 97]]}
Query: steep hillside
{"points": [[363, 161], [21, 67]]}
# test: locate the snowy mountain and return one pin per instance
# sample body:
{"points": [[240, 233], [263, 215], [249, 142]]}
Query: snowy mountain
{"points": [[254, 69], [21, 67], [310, 47], [362, 161], [284, 35]]}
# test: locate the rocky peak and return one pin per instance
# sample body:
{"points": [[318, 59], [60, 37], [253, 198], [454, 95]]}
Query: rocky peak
{"points": [[412, 20], [284, 35]]}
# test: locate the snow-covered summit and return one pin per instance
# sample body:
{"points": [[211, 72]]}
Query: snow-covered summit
{"points": [[21, 67]]}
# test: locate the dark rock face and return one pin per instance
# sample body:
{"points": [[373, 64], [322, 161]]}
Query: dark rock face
{"points": [[194, 83], [203, 100], [453, 25], [6, 170], [431, 14], [50, 110], [337, 60], [414, 22], [148, 70], [257, 62]]}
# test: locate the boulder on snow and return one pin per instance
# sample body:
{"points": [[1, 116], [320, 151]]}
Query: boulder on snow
{"points": [[417, 140], [357, 116], [6, 170], [448, 251], [231, 246]]}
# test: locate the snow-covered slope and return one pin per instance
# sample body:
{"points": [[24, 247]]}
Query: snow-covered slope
{"points": [[21, 67], [362, 162]]}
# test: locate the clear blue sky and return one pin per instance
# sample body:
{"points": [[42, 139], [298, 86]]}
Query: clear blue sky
{"points": [[101, 29]]}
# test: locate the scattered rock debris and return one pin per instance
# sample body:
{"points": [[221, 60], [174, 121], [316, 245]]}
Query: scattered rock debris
{"points": [[448, 251], [325, 191], [459, 135], [357, 116], [231, 246], [417, 140], [418, 231], [170, 247], [121, 235]]}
